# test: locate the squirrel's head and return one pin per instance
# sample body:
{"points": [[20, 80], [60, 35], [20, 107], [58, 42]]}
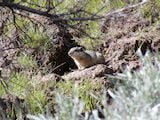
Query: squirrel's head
{"points": [[76, 51]]}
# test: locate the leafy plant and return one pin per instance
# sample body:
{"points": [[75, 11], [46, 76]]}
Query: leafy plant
{"points": [[26, 61], [21, 85], [151, 11], [84, 88], [137, 97]]}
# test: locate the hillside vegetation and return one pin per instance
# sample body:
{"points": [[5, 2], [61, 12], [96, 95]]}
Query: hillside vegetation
{"points": [[39, 81]]}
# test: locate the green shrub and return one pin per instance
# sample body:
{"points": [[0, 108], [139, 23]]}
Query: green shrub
{"points": [[26, 61], [21, 85], [84, 88], [137, 97], [151, 10]]}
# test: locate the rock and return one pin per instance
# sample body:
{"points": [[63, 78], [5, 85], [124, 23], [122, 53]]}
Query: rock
{"points": [[93, 72], [51, 77]]}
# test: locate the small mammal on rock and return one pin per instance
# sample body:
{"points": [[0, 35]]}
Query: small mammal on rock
{"points": [[85, 58]]}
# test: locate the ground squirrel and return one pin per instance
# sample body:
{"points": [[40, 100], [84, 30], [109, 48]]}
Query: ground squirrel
{"points": [[85, 58]]}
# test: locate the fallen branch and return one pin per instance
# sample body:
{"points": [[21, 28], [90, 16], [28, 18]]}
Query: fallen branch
{"points": [[54, 17], [127, 8]]}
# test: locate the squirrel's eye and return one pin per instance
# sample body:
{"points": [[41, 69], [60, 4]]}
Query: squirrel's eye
{"points": [[81, 49]]}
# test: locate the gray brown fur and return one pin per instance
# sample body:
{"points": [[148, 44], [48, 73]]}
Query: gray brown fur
{"points": [[85, 58]]}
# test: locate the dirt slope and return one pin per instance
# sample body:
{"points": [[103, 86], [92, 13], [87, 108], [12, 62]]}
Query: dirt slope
{"points": [[124, 34]]}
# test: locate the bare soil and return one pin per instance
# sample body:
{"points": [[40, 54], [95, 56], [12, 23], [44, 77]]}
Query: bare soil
{"points": [[124, 34]]}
